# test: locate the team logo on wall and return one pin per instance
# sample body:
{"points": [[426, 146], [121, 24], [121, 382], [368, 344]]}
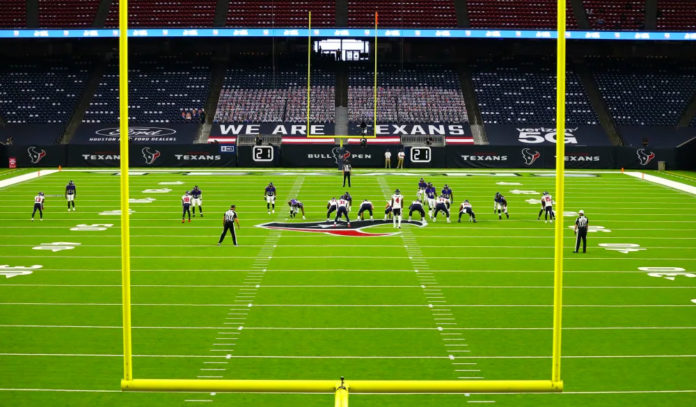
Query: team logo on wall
{"points": [[36, 154], [356, 228], [150, 155], [338, 156], [644, 157], [530, 156]]}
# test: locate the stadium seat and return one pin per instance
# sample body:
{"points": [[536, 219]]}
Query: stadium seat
{"points": [[516, 91], [678, 15], [41, 92], [289, 13], [645, 91], [616, 15], [516, 14], [421, 93], [402, 13], [255, 95], [166, 13], [14, 14], [67, 13], [161, 90]]}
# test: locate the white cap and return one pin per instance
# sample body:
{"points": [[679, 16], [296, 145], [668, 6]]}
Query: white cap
{"points": [[581, 212]]}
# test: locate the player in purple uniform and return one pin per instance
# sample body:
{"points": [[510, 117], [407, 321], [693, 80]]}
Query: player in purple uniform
{"points": [[431, 196], [197, 200], [447, 193], [295, 207], [422, 185], [70, 194], [500, 206], [269, 195]]}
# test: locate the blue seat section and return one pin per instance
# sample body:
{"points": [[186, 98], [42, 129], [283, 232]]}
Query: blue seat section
{"points": [[41, 91], [522, 91], [162, 90], [414, 93], [645, 91], [261, 95]]}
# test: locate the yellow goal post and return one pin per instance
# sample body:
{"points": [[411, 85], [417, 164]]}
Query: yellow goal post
{"points": [[340, 389], [309, 86]]}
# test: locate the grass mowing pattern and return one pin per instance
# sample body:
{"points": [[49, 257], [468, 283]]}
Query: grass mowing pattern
{"points": [[328, 306]]}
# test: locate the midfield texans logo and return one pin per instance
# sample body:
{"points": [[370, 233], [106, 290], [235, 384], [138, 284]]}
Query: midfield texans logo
{"points": [[342, 229], [35, 154], [644, 157], [149, 155], [530, 156]]}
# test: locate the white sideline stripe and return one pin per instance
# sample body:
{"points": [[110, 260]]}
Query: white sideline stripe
{"points": [[365, 394], [99, 355], [428, 295], [282, 328], [664, 182], [357, 305], [463, 258], [25, 177], [351, 271]]}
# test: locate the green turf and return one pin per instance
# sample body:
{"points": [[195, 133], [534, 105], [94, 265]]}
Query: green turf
{"points": [[330, 306]]}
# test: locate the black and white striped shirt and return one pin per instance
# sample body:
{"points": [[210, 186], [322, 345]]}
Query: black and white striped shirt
{"points": [[230, 216], [582, 222]]}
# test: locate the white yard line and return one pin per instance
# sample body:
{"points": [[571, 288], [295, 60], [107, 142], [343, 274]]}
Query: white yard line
{"points": [[663, 181], [25, 177], [284, 287], [356, 305]]}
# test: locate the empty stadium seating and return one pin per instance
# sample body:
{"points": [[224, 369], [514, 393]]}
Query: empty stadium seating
{"points": [[41, 92], [166, 13], [288, 13], [645, 91], [14, 14], [258, 95], [67, 13], [679, 15], [402, 13], [523, 91], [160, 90], [423, 93], [516, 14], [615, 15]]}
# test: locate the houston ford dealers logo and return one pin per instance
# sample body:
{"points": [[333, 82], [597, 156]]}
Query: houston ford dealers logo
{"points": [[115, 133]]}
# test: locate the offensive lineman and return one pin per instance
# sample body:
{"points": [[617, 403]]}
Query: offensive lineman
{"points": [[500, 206], [441, 205], [548, 207], [330, 208], [416, 206], [388, 210], [186, 205], [197, 199], [397, 203], [295, 207], [38, 206], [270, 196], [465, 207], [70, 194], [430, 194], [366, 205], [343, 208]]}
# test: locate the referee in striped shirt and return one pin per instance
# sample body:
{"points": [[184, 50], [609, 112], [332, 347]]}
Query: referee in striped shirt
{"points": [[581, 226], [228, 221]]}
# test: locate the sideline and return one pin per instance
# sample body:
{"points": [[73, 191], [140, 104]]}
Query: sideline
{"points": [[663, 181], [25, 177]]}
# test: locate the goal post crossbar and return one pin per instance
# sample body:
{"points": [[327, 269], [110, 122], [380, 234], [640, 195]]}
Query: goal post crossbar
{"points": [[341, 389]]}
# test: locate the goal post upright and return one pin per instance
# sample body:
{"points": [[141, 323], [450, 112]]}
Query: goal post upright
{"points": [[125, 191], [560, 190], [374, 114], [309, 68]]}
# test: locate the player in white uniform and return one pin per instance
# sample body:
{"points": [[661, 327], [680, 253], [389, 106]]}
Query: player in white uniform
{"points": [[186, 206], [466, 207], [331, 206], [548, 207], [397, 204], [38, 206], [441, 206], [343, 208]]}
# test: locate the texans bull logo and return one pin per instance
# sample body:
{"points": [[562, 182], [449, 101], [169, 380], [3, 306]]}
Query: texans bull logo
{"points": [[339, 154], [341, 229], [644, 157], [36, 155], [150, 156], [530, 156]]}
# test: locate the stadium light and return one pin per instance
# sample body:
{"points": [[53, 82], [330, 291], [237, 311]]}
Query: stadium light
{"points": [[341, 389]]}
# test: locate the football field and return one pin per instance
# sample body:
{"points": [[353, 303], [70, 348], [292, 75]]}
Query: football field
{"points": [[469, 301]]}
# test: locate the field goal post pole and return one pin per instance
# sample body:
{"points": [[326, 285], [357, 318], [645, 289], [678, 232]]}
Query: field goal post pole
{"points": [[125, 193], [560, 190], [374, 113], [309, 67]]}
